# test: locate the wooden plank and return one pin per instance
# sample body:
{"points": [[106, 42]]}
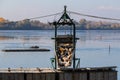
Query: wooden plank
{"points": [[8, 76], [5, 76], [11, 76], [50, 76], [76, 76], [112, 76], [106, 75], [61, 76], [99, 76], [83, 76], [29, 76], [67, 76], [42, 76], [36, 76], [1, 78], [18, 76], [92, 75]]}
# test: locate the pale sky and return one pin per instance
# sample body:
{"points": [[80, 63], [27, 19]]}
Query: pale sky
{"points": [[21, 9]]}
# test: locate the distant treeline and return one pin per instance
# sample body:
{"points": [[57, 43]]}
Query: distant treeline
{"points": [[24, 25], [83, 24]]}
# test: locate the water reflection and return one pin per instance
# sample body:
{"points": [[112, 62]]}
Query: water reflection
{"points": [[6, 37]]}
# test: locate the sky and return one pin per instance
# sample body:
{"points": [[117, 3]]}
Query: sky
{"points": [[15, 10]]}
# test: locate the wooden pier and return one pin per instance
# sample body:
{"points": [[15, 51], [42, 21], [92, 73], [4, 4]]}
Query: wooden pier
{"points": [[96, 73]]}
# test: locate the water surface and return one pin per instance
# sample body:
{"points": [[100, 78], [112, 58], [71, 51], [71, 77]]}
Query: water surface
{"points": [[95, 48]]}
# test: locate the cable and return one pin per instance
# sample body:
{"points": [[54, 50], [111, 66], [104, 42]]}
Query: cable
{"points": [[37, 17], [81, 14], [45, 16], [94, 16]]}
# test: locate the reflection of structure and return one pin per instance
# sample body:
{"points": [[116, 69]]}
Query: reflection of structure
{"points": [[65, 44]]}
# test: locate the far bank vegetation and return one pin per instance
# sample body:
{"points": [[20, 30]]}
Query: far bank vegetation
{"points": [[83, 24]]}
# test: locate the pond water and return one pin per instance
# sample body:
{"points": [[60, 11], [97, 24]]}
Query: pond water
{"points": [[95, 48]]}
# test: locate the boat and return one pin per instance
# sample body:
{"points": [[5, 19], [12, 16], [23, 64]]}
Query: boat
{"points": [[36, 47], [26, 50]]}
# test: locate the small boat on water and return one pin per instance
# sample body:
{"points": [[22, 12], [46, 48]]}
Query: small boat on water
{"points": [[36, 47], [26, 50], [31, 49]]}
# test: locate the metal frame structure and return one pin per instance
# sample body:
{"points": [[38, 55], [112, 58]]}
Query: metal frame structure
{"points": [[65, 20]]}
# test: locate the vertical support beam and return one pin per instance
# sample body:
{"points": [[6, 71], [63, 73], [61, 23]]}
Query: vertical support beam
{"points": [[55, 45], [25, 76], [65, 12], [88, 75], [74, 44], [65, 9], [56, 76]]}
